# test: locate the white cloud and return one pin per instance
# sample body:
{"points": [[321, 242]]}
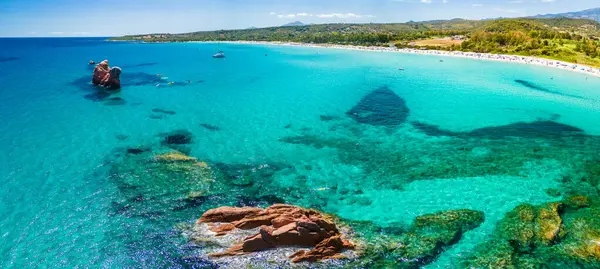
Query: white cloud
{"points": [[548, 1], [56, 33], [477, 5], [286, 16], [426, 1]]}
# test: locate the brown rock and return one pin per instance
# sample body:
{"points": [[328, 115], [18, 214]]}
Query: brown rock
{"points": [[549, 223], [326, 249], [100, 72], [282, 221], [309, 225], [290, 227], [280, 225], [228, 214], [105, 76], [256, 243], [222, 229], [253, 222]]}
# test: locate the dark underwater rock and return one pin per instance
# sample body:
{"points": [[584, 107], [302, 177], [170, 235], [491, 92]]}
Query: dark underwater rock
{"points": [[533, 86], [210, 127], [137, 151], [163, 111], [115, 101], [179, 137], [329, 118], [536, 129], [139, 65], [381, 107], [97, 96], [140, 79], [122, 137]]}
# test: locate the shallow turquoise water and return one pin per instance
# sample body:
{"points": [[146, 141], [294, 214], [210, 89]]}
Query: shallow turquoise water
{"points": [[58, 200]]}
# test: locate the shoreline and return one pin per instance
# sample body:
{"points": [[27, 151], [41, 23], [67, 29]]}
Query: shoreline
{"points": [[579, 68]]}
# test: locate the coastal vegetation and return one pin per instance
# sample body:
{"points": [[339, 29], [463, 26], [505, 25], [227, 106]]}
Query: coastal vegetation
{"points": [[570, 40]]}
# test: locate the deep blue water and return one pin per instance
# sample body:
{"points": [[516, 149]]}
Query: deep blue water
{"points": [[298, 109]]}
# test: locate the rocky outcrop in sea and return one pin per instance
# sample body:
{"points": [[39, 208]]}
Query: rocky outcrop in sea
{"points": [[107, 77]]}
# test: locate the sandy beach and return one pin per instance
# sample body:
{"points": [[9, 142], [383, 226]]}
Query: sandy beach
{"points": [[588, 70]]}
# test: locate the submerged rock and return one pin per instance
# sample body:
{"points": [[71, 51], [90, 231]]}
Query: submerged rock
{"points": [[163, 111], [432, 233], [417, 245], [536, 129], [176, 156], [381, 107], [115, 101], [535, 87], [137, 151], [167, 181], [537, 236], [179, 137], [329, 118], [279, 225], [210, 127]]}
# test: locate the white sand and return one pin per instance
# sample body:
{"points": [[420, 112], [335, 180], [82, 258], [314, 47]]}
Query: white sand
{"points": [[480, 56]]}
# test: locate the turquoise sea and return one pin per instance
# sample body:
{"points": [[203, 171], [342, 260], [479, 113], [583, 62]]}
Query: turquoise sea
{"points": [[345, 132]]}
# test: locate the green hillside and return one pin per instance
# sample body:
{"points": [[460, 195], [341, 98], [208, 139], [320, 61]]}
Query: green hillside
{"points": [[573, 40]]}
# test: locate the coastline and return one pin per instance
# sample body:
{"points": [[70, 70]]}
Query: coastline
{"points": [[580, 68]]}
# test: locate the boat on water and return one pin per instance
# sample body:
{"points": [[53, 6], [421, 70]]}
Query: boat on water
{"points": [[219, 54]]}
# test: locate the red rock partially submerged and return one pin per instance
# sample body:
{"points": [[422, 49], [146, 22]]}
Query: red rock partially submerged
{"points": [[106, 76], [280, 225]]}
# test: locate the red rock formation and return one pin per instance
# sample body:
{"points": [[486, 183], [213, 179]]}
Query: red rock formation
{"points": [[280, 225], [100, 72], [222, 229], [106, 76], [328, 248], [228, 214]]}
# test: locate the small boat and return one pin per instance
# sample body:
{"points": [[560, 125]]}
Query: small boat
{"points": [[220, 54], [401, 69], [92, 62]]}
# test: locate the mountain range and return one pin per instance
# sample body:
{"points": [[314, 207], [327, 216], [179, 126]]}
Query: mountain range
{"points": [[593, 14], [296, 23]]}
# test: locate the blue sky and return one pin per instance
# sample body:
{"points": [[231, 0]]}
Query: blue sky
{"points": [[119, 17]]}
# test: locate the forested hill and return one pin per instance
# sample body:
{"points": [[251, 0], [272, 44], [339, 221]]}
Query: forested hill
{"points": [[373, 33], [572, 40]]}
